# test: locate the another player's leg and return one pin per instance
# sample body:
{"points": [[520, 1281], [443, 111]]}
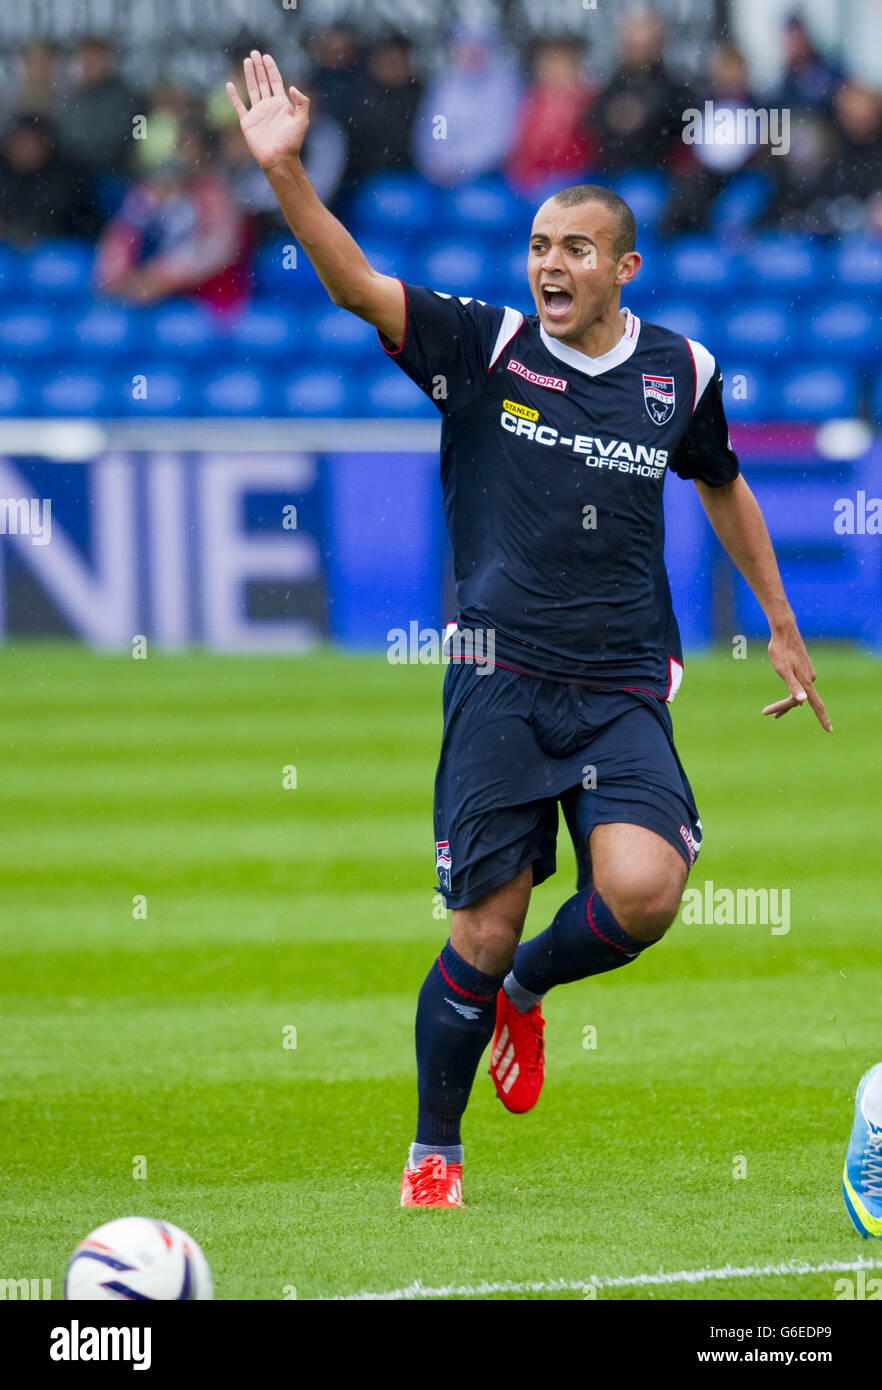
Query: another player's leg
{"points": [[638, 880], [455, 1017]]}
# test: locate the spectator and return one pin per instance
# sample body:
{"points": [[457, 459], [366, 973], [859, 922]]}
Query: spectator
{"points": [[38, 86], [337, 72], [179, 231], [42, 194], [809, 81], [95, 123], [552, 138], [850, 183], [640, 114], [469, 113], [381, 132]]}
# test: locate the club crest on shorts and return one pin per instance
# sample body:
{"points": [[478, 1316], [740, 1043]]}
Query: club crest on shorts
{"points": [[443, 863], [658, 396]]}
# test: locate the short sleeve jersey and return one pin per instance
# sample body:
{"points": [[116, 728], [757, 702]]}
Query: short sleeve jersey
{"points": [[552, 467]]}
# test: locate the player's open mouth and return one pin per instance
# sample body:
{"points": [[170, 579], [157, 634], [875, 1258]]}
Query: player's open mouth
{"points": [[557, 301]]}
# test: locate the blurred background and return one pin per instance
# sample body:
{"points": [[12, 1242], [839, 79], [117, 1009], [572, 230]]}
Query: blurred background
{"points": [[229, 460]]}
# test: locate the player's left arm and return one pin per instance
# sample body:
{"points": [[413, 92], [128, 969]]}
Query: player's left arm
{"points": [[734, 513]]}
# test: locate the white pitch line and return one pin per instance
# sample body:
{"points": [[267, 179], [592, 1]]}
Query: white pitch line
{"points": [[623, 1281]]}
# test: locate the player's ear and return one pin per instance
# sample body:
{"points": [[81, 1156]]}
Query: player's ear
{"points": [[628, 266]]}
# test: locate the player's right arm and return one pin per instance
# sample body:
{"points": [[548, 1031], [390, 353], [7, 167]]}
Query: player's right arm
{"points": [[274, 127]]}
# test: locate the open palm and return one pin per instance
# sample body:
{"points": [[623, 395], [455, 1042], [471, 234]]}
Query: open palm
{"points": [[275, 126]]}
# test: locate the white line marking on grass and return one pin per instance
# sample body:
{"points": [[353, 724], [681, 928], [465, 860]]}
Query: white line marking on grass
{"points": [[618, 1281]]}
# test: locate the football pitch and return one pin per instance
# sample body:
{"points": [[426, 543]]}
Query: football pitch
{"points": [[176, 919]]}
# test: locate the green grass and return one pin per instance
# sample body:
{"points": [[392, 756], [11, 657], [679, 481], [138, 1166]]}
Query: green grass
{"points": [[266, 908]]}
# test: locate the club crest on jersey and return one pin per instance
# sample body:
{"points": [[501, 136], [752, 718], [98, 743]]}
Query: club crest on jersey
{"points": [[658, 396], [443, 863]]}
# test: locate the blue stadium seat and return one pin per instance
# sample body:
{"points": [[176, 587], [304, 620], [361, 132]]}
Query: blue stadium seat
{"points": [[690, 319], [759, 330], [11, 271], [400, 200], [456, 267], [28, 333], [59, 269], [876, 401], [786, 263], [181, 329], [238, 391], [74, 390], [747, 393], [18, 392], [488, 205], [169, 391], [389, 392], [322, 393], [338, 337], [841, 328], [284, 274], [741, 201], [266, 331], [390, 256], [858, 263], [817, 393], [646, 193], [105, 330], [695, 265]]}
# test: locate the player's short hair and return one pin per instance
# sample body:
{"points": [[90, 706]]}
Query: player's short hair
{"points": [[626, 238]]}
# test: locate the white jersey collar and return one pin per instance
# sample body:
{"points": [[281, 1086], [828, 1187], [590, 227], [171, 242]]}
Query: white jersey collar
{"points": [[593, 366]]}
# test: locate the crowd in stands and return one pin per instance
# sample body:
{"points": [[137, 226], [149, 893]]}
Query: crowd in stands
{"points": [[164, 183]]}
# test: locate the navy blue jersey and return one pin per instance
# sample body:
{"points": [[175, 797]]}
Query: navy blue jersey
{"points": [[552, 465]]}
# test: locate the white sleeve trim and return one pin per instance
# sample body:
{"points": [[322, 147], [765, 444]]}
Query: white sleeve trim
{"points": [[511, 322], [705, 366]]}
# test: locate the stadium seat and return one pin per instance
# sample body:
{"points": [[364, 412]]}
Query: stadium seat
{"points": [[18, 393], [400, 200], [694, 265], [28, 333], [456, 267], [786, 263], [687, 318], [841, 328], [74, 391], [322, 393], [759, 331], [284, 274], [181, 329], [169, 391], [857, 263], [747, 394], [486, 206], [238, 391], [741, 201], [646, 193], [390, 256], [105, 330], [817, 393], [266, 331], [59, 269], [388, 392], [338, 337], [11, 271]]}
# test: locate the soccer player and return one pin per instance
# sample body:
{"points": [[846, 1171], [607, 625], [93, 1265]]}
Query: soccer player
{"points": [[558, 432]]}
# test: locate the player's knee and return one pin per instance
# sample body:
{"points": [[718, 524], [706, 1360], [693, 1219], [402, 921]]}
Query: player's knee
{"points": [[487, 939], [643, 908]]}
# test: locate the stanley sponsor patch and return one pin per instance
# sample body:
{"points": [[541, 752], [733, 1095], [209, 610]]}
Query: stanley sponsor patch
{"points": [[524, 411]]}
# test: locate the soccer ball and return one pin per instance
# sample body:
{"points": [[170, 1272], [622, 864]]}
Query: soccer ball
{"points": [[136, 1258]]}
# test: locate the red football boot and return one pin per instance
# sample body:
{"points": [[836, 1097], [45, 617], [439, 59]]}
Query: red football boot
{"points": [[517, 1062], [432, 1183]]}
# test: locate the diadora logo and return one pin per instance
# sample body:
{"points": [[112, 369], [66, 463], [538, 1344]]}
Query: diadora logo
{"points": [[467, 1010], [553, 383], [659, 398]]}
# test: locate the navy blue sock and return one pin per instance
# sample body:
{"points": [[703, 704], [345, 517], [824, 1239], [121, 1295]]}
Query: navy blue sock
{"points": [[584, 939], [454, 1023]]}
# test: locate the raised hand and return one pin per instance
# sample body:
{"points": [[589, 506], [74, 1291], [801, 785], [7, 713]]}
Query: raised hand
{"points": [[275, 126]]}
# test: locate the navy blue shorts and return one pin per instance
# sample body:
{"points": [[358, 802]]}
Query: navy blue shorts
{"points": [[516, 748]]}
